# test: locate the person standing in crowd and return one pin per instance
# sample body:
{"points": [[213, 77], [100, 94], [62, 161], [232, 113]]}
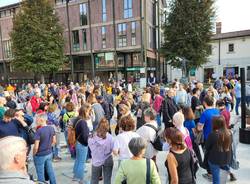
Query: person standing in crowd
{"points": [[45, 138], [151, 80], [220, 104], [237, 90], [178, 122], [82, 134], [179, 159], [226, 96], [203, 92], [196, 105], [101, 144], [158, 99], [53, 121], [149, 133], [2, 108], [105, 107], [189, 123], [127, 127], [181, 96], [97, 109], [13, 161], [8, 127], [218, 148], [169, 108], [70, 113], [35, 101], [205, 125], [10, 103], [139, 112], [137, 169]]}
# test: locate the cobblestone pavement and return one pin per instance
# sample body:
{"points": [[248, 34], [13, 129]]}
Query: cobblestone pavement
{"points": [[64, 174]]}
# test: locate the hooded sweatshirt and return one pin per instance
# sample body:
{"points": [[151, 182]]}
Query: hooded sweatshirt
{"points": [[101, 149]]}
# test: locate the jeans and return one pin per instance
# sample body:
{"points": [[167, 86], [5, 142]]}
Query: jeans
{"points": [[42, 163], [56, 147], [81, 156], [158, 119], [237, 105], [107, 168], [215, 169]]}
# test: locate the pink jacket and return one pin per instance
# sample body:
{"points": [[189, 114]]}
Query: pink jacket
{"points": [[157, 103]]}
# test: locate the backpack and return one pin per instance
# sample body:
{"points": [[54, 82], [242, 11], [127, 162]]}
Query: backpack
{"points": [[111, 110], [157, 143], [72, 133], [188, 140]]}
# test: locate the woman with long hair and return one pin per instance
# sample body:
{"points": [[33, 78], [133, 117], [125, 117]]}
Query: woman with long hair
{"points": [[189, 123], [82, 134], [101, 144], [218, 148], [179, 158]]}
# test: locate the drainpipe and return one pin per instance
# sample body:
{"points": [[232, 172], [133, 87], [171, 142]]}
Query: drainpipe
{"points": [[91, 42]]}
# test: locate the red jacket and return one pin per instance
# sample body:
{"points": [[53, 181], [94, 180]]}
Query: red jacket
{"points": [[35, 103]]}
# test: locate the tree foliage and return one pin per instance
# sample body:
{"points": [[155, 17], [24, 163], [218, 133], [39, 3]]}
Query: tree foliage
{"points": [[37, 38], [188, 31]]}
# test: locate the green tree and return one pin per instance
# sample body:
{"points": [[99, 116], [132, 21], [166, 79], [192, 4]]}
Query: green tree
{"points": [[187, 32], [37, 38]]}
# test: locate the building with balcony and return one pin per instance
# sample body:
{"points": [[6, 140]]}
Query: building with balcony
{"points": [[118, 37]]}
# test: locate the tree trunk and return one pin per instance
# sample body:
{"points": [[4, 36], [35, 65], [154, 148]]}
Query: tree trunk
{"points": [[42, 78]]}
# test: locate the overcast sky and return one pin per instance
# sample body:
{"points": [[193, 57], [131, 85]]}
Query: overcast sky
{"points": [[234, 14]]}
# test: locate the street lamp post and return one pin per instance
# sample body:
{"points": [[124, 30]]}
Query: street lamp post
{"points": [[69, 37]]}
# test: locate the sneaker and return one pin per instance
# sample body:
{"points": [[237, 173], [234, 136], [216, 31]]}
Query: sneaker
{"points": [[208, 177], [232, 177], [57, 159]]}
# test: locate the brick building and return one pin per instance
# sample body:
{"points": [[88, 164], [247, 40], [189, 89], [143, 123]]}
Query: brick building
{"points": [[107, 36]]}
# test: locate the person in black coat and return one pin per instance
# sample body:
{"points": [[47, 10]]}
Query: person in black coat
{"points": [[105, 107], [169, 108]]}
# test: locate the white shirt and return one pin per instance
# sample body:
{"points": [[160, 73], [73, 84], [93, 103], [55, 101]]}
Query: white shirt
{"points": [[149, 135], [121, 144]]}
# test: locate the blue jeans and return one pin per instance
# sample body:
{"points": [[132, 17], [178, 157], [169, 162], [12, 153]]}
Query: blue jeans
{"points": [[81, 156], [42, 163], [237, 105], [215, 170], [158, 119]]}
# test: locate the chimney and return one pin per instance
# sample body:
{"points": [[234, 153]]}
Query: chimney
{"points": [[218, 27]]}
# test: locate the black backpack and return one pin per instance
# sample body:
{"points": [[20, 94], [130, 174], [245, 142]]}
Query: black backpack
{"points": [[194, 163], [111, 110], [157, 143]]}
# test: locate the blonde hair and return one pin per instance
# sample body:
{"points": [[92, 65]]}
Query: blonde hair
{"points": [[178, 119], [10, 147]]}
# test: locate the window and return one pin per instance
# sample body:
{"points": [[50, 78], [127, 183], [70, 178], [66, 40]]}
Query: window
{"points": [[231, 47], [133, 33], [83, 14], [76, 42], [84, 39], [248, 73], [122, 33], [122, 29], [7, 49], [128, 9], [104, 11], [104, 37]]}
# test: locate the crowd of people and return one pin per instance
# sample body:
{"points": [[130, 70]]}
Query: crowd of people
{"points": [[102, 121]]}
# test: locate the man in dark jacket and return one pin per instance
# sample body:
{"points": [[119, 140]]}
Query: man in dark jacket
{"points": [[105, 107], [169, 108]]}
